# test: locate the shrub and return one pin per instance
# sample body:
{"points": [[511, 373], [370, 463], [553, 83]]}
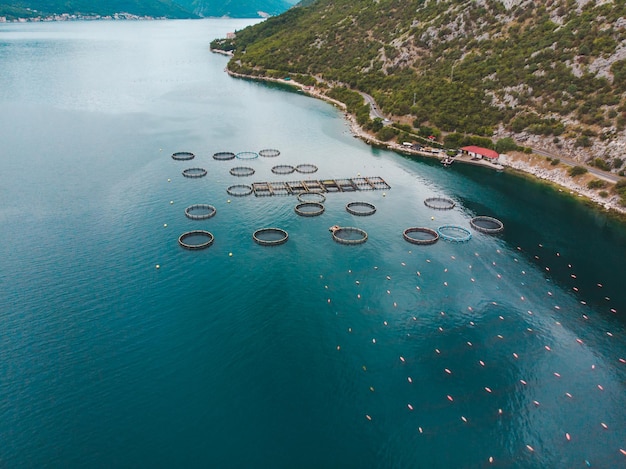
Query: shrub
{"points": [[577, 171], [596, 184], [600, 163], [603, 194], [555, 162], [506, 144], [386, 133]]}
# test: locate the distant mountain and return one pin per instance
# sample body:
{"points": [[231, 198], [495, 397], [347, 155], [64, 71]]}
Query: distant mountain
{"points": [[34, 8], [236, 8]]}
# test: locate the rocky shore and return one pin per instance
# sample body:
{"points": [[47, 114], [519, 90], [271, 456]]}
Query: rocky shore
{"points": [[533, 164]]}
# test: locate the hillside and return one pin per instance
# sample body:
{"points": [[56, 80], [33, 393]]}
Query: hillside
{"points": [[235, 8], [42, 8], [548, 73]]}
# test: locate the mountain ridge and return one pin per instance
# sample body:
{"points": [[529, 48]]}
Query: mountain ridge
{"points": [[554, 71], [235, 8]]}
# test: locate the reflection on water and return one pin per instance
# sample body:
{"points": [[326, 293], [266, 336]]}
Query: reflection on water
{"points": [[506, 350]]}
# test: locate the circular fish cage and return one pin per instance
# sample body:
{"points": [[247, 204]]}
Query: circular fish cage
{"points": [[420, 235], [196, 239], [487, 225], [270, 236], [194, 172], [306, 168], [223, 155], [312, 197], [439, 203], [183, 156], [269, 153], [283, 169], [239, 190], [348, 234], [362, 209], [454, 233], [200, 211], [241, 171], [309, 209], [247, 155]]}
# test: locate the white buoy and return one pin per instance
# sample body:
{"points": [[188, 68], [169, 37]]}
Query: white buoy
{"points": [[171, 202], [157, 266], [228, 201], [164, 225], [230, 254], [169, 180]]}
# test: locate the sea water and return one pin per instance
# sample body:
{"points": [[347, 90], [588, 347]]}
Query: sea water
{"points": [[504, 351]]}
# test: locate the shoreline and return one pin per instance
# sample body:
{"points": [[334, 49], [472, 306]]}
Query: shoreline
{"points": [[514, 163]]}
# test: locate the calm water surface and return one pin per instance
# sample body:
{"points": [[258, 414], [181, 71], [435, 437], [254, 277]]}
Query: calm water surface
{"points": [[308, 354]]}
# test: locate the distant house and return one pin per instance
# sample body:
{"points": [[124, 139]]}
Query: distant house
{"points": [[480, 152], [230, 35]]}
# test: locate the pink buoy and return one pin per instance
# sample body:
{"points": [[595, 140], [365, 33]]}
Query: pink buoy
{"points": [[450, 398]]}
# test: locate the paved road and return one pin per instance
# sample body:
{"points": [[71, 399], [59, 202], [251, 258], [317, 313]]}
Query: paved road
{"points": [[374, 111], [569, 162]]}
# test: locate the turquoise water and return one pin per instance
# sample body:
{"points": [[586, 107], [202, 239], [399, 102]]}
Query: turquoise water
{"points": [[308, 354]]}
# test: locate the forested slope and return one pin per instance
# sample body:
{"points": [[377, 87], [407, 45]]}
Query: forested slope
{"points": [[555, 69]]}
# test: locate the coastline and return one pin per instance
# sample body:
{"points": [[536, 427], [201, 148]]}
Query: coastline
{"points": [[517, 162]]}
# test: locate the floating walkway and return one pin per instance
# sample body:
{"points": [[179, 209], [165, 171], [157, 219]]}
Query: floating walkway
{"points": [[183, 156], [362, 209], [348, 234], [270, 236], [266, 189], [196, 239], [488, 225], [454, 233], [420, 235], [200, 211], [309, 209]]}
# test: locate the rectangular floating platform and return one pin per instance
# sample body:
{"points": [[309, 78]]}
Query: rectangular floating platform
{"points": [[265, 189], [279, 188], [262, 189]]}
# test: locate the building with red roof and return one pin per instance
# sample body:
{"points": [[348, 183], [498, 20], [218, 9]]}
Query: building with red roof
{"points": [[480, 152]]}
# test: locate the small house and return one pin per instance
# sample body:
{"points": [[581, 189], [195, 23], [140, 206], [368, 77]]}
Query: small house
{"points": [[481, 153]]}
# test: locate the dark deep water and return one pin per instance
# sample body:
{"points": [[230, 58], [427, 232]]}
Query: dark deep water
{"points": [[308, 354]]}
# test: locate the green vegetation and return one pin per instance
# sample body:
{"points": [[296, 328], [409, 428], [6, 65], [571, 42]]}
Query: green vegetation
{"points": [[600, 163], [456, 67], [234, 9], [577, 171], [596, 184], [620, 189]]}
